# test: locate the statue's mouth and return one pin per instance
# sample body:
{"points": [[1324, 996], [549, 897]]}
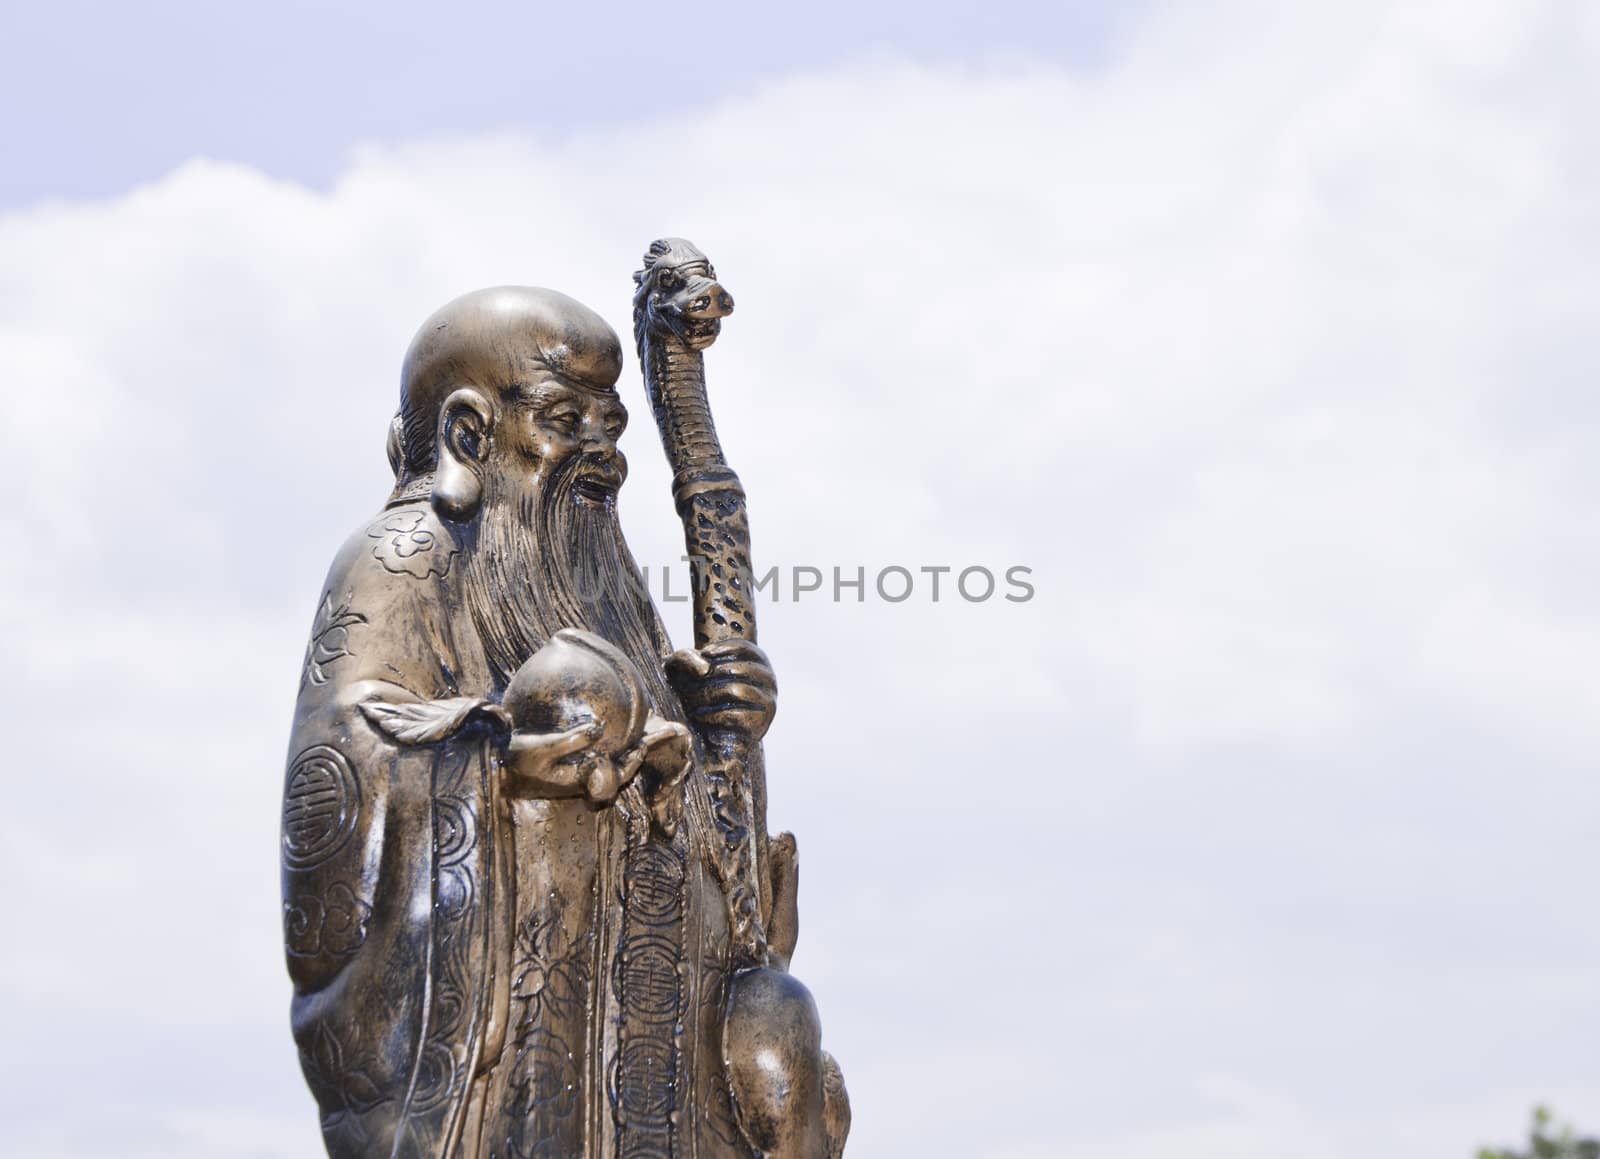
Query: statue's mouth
{"points": [[597, 484]]}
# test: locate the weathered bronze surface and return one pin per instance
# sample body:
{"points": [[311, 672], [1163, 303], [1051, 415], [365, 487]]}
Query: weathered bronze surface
{"points": [[530, 904]]}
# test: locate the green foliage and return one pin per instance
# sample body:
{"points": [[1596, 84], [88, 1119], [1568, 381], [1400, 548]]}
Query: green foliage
{"points": [[1547, 1141]]}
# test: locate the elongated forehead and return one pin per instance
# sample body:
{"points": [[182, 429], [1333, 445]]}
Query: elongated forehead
{"points": [[491, 336]]}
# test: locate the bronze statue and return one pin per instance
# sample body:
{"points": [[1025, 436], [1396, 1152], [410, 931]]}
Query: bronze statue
{"points": [[530, 904]]}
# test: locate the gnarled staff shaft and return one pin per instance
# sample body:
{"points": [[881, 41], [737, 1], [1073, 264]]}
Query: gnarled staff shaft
{"points": [[678, 309]]}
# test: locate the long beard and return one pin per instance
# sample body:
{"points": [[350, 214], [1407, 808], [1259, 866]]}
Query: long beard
{"points": [[539, 559]]}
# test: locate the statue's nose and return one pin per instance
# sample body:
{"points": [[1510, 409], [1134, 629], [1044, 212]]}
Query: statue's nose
{"points": [[710, 300]]}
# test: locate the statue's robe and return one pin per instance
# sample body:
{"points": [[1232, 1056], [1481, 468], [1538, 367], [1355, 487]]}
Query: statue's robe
{"points": [[476, 976]]}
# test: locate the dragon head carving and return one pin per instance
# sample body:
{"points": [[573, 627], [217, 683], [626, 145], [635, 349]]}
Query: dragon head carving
{"points": [[678, 296]]}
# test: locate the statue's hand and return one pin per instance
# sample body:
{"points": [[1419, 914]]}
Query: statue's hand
{"points": [[726, 687], [549, 764], [663, 756], [566, 764]]}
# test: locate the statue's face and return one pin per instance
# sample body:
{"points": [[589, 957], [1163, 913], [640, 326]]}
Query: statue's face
{"points": [[548, 424]]}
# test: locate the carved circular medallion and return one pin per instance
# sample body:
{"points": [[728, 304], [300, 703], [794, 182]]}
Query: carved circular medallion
{"points": [[653, 885], [455, 831], [645, 1080], [435, 1077], [650, 984], [320, 803]]}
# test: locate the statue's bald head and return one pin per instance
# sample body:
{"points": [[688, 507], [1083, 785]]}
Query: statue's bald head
{"points": [[490, 340]]}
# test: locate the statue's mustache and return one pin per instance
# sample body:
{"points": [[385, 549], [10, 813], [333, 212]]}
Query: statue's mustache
{"points": [[596, 475], [593, 477]]}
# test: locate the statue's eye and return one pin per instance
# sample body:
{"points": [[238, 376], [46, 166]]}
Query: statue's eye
{"points": [[565, 421], [667, 280], [616, 423]]}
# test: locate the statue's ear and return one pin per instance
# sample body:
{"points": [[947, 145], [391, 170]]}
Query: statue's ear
{"points": [[395, 445], [465, 421]]}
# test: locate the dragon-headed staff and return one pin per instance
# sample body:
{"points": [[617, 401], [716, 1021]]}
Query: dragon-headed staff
{"points": [[788, 1094], [678, 307]]}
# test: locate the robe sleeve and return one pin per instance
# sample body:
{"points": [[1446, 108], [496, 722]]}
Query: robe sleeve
{"points": [[359, 840]]}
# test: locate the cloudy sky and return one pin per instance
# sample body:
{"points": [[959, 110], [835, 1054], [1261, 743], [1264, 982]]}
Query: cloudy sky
{"points": [[1264, 335]]}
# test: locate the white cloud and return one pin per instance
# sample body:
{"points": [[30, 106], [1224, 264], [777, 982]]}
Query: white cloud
{"points": [[1268, 349]]}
